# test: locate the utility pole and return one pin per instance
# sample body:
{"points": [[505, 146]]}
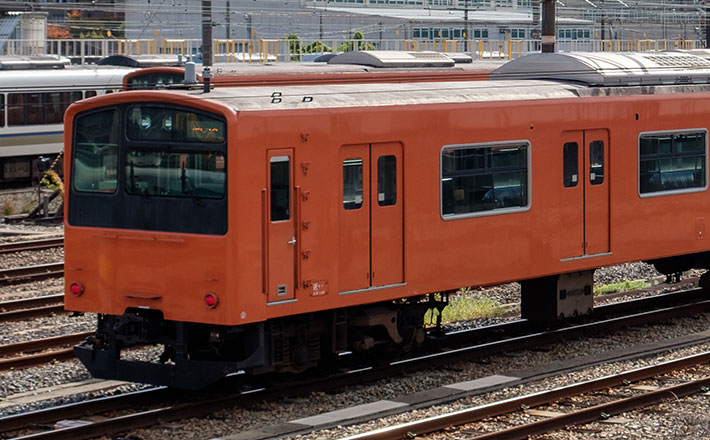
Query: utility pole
{"points": [[229, 22], [548, 26], [206, 43]]}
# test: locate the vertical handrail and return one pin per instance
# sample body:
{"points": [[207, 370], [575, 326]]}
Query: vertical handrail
{"points": [[298, 275], [264, 242]]}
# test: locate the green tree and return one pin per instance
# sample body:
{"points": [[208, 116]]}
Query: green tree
{"points": [[294, 46], [358, 37], [317, 46]]}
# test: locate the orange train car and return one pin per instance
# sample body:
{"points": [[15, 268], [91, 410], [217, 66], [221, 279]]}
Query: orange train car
{"points": [[247, 231], [346, 68]]}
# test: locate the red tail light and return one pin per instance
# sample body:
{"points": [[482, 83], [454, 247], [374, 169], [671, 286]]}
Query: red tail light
{"points": [[76, 289], [211, 300]]}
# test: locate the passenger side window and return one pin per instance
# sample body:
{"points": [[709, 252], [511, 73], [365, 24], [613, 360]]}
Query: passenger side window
{"points": [[387, 180], [484, 178], [280, 188], [596, 162], [672, 162], [352, 183], [96, 152], [2, 110], [570, 153]]}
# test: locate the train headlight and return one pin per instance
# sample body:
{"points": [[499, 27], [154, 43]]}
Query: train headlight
{"points": [[211, 300], [145, 122], [76, 289], [168, 123]]}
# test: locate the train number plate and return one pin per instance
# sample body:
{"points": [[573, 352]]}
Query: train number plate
{"points": [[319, 288]]}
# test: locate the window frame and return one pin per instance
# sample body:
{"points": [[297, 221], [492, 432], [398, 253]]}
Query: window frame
{"points": [[501, 211], [672, 191], [75, 126]]}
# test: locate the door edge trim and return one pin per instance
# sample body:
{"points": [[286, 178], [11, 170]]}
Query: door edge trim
{"points": [[582, 257], [285, 301], [370, 289]]}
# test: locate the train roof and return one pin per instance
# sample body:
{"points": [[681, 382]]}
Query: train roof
{"points": [[26, 62], [610, 69], [393, 58], [382, 94], [67, 79]]}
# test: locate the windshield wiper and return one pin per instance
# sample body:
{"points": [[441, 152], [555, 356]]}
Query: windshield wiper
{"points": [[186, 188]]}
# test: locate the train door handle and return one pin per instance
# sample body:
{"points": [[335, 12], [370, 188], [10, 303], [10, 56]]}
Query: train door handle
{"points": [[292, 240]]}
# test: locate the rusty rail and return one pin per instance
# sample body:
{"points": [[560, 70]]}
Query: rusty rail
{"points": [[31, 245], [38, 345], [470, 415], [31, 273], [31, 307]]}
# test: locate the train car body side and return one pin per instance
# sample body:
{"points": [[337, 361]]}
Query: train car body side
{"points": [[329, 208]]}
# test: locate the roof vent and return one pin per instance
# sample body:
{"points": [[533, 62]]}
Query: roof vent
{"points": [[393, 58], [610, 69]]}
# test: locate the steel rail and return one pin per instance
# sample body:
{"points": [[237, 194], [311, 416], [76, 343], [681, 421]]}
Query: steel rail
{"points": [[367, 375], [31, 307], [31, 245], [38, 301], [43, 344], [31, 313], [37, 345], [36, 359], [593, 413], [88, 407], [470, 415], [31, 273]]}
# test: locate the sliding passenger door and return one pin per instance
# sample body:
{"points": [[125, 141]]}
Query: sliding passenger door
{"points": [[280, 229], [572, 195], [584, 200], [387, 215], [371, 217], [596, 197], [354, 218]]}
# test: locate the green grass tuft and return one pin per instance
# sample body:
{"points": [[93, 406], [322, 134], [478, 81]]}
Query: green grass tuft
{"points": [[467, 307], [623, 286], [7, 209]]}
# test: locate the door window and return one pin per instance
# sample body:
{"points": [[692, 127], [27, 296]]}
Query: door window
{"points": [[280, 188], [387, 180], [570, 165], [596, 162], [352, 183]]}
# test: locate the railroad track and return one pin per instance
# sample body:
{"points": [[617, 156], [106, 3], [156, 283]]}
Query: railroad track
{"points": [[586, 415], [196, 407], [24, 354], [31, 245], [31, 307], [31, 273]]}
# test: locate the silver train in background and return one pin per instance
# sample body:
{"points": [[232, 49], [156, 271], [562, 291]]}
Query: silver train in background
{"points": [[34, 93]]}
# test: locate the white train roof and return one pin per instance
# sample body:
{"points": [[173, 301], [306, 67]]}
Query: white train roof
{"points": [[610, 69], [393, 58], [383, 94], [402, 94], [66, 79]]}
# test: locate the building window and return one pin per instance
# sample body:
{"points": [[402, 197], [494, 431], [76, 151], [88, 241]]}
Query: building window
{"points": [[484, 178], [672, 162]]}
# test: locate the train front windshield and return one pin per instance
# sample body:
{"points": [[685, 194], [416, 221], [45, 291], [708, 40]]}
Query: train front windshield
{"points": [[149, 167]]}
